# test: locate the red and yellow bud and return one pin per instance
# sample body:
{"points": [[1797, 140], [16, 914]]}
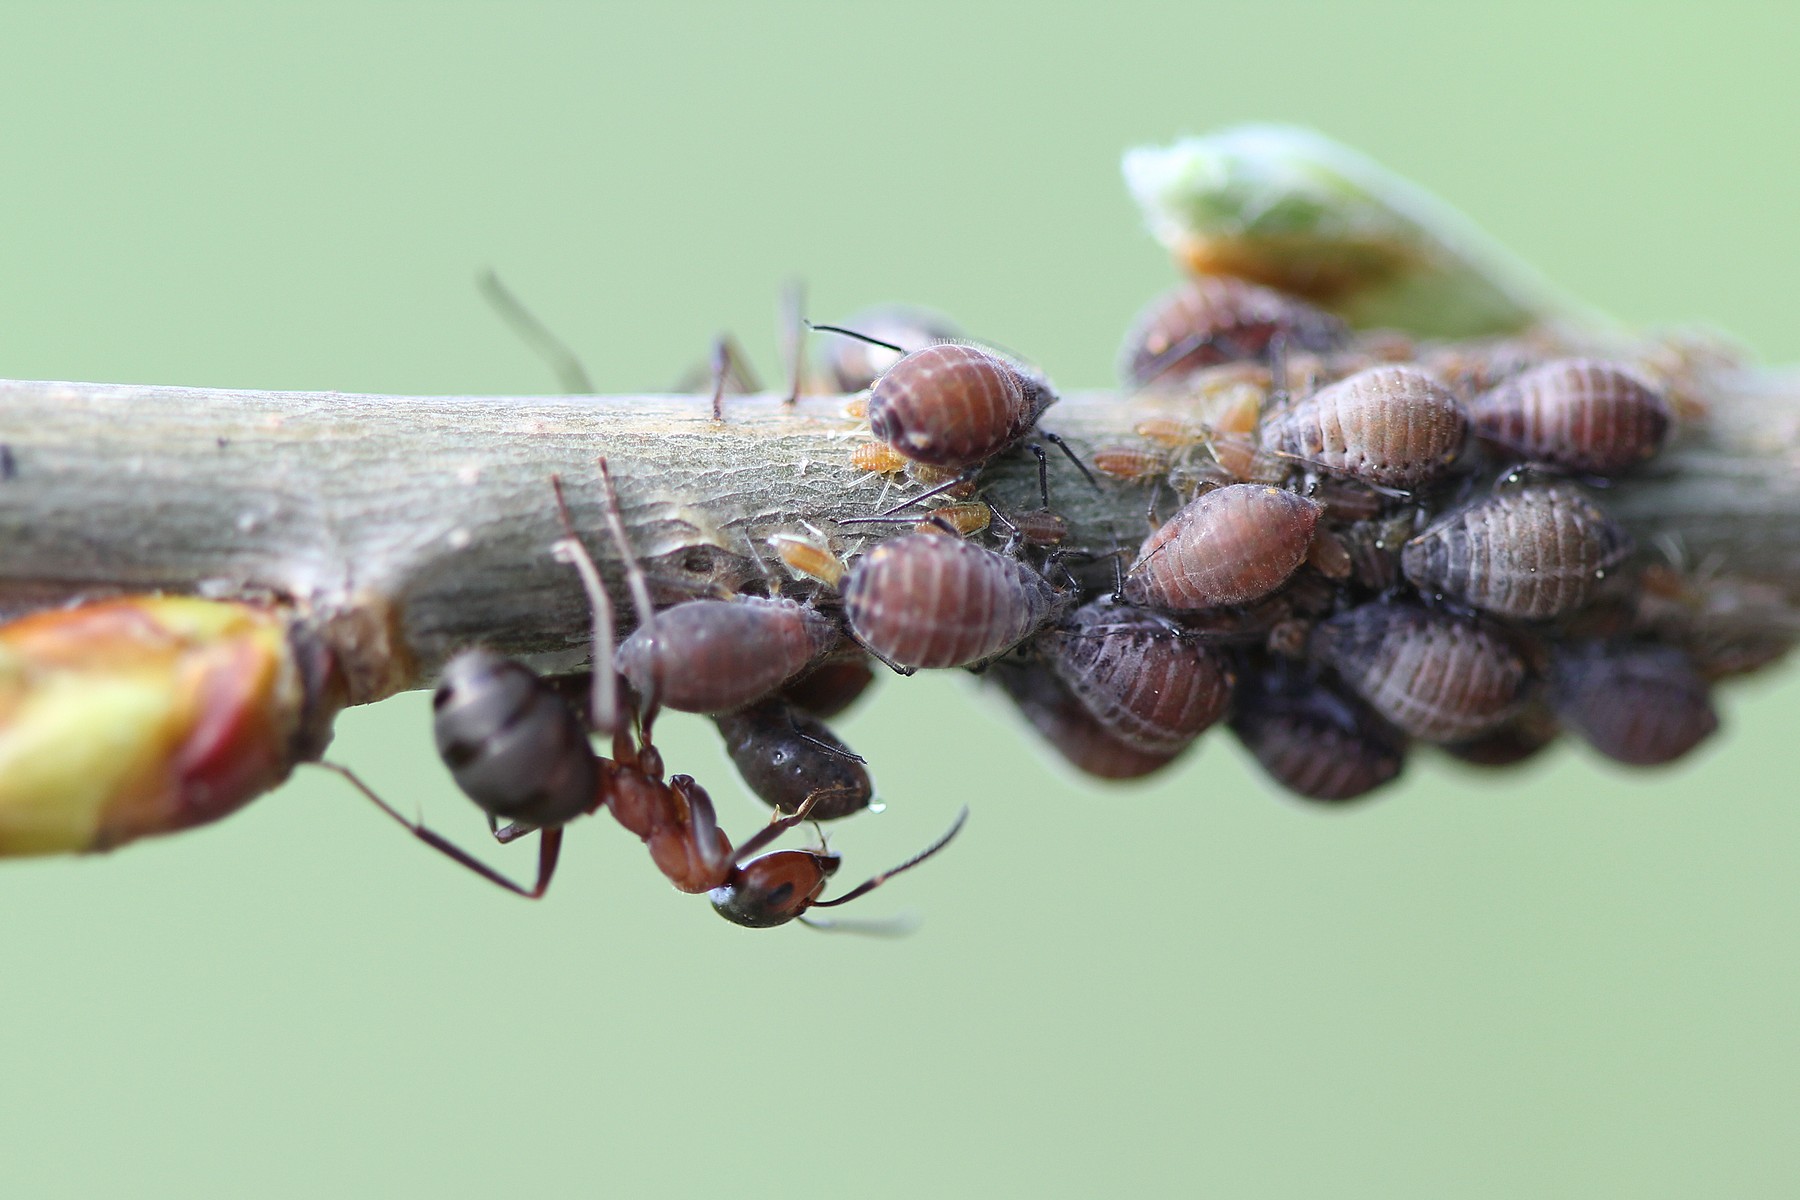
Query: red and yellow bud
{"points": [[149, 714]]}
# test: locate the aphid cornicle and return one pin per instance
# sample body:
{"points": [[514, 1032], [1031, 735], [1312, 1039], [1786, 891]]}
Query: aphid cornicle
{"points": [[1069, 729], [1642, 705], [1392, 426], [512, 742], [786, 756], [1314, 741], [921, 600], [1227, 546], [1438, 676], [1599, 418], [1215, 319], [715, 655], [956, 405], [1137, 673], [1528, 552], [854, 364]]}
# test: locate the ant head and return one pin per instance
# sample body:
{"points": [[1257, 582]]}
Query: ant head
{"points": [[774, 889]]}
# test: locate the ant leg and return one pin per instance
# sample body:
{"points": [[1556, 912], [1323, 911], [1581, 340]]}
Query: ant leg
{"points": [[871, 884], [535, 334], [776, 827], [603, 693], [549, 846], [636, 584]]}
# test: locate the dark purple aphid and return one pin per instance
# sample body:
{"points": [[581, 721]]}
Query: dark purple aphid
{"points": [[1530, 552], [1313, 740], [1137, 674], [1391, 426], [1069, 729], [1437, 676], [1599, 418], [955, 405], [716, 655], [512, 743], [1227, 546], [832, 686], [854, 364], [926, 601], [1640, 705], [1216, 319], [1525, 736], [787, 757]]}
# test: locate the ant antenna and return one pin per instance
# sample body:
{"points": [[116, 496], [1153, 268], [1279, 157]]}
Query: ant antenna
{"points": [[876, 881], [549, 845], [535, 334], [603, 695], [1055, 439], [851, 333]]}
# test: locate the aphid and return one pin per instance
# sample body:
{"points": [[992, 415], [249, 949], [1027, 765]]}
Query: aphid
{"points": [[780, 887], [786, 756], [832, 686], [1347, 500], [1599, 418], [1070, 729], [1532, 731], [1215, 319], [1529, 552], [1227, 546], [512, 742], [1138, 674], [879, 458], [1438, 676], [854, 364], [955, 405], [961, 519], [715, 655], [1314, 741], [1038, 527], [806, 558], [1329, 556], [1642, 705], [942, 481], [1391, 426], [1130, 464], [924, 601]]}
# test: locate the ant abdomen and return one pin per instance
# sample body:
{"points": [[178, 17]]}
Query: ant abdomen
{"points": [[512, 743]]}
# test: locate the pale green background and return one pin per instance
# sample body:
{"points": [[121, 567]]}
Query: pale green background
{"points": [[1572, 981]]}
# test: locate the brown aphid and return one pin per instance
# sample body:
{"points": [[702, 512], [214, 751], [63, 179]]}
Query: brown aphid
{"points": [[1528, 552], [787, 757], [1129, 464], [832, 686], [1138, 674], [1227, 546], [955, 405], [715, 655], [1392, 426], [1599, 418], [924, 601], [962, 519], [854, 364], [1642, 705], [1070, 729], [1438, 676], [1168, 430], [1525, 736], [1329, 556], [878, 458], [927, 476], [1314, 741], [1213, 320], [1040, 527], [1347, 500]]}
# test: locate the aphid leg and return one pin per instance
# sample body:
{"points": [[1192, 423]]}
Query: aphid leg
{"points": [[874, 882], [793, 338], [961, 480], [603, 689], [721, 365], [861, 337], [1043, 472], [1118, 592], [638, 586], [535, 334], [549, 845], [1014, 534], [1055, 439]]}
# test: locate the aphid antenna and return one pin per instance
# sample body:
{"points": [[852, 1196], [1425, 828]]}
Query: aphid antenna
{"points": [[549, 845], [851, 333], [535, 334], [876, 881], [639, 588], [603, 690], [1056, 439], [826, 746]]}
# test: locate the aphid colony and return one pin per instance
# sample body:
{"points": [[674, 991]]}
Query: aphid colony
{"points": [[1364, 554]]}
